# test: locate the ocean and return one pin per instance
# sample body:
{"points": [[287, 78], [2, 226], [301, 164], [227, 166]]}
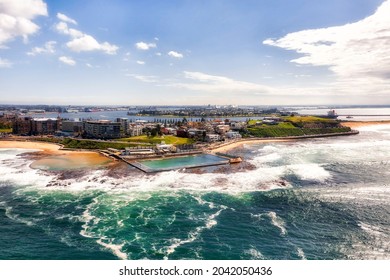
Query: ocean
{"points": [[324, 198]]}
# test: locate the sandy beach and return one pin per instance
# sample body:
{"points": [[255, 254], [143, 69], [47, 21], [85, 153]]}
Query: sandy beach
{"points": [[46, 147], [239, 143], [50, 154], [357, 124]]}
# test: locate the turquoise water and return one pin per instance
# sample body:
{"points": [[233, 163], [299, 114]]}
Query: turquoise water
{"points": [[312, 199], [183, 162]]}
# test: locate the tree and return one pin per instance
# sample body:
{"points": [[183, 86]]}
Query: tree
{"points": [[158, 129], [204, 136]]}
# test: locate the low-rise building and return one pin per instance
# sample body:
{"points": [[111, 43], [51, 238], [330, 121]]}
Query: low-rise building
{"points": [[213, 137], [222, 129], [198, 133], [169, 130], [233, 135], [135, 129], [237, 125]]}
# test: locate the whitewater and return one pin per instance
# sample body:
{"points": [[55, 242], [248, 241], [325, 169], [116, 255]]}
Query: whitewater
{"points": [[325, 198]]}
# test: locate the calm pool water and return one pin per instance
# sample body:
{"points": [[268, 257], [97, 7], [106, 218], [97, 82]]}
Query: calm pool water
{"points": [[182, 162]]}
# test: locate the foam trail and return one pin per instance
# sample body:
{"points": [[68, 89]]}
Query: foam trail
{"points": [[87, 218], [301, 254], [116, 249], [254, 254], [277, 222], [193, 235]]}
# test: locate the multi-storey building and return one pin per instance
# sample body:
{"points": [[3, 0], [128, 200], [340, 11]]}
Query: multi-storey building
{"points": [[102, 129], [35, 126], [72, 126], [124, 122]]}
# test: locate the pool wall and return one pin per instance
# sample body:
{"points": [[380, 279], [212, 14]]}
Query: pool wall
{"points": [[139, 165]]}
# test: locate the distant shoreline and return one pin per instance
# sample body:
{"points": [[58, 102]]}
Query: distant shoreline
{"points": [[228, 146], [48, 149]]}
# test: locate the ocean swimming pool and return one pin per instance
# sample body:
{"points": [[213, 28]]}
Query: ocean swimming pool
{"points": [[192, 161]]}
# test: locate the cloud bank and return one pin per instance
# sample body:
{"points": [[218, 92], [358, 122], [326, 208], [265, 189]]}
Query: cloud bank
{"points": [[355, 50], [16, 19]]}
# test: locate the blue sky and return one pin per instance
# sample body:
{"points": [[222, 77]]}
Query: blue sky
{"points": [[253, 52]]}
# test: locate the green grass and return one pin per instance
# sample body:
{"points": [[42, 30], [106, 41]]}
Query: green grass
{"points": [[303, 119], [85, 144], [168, 139], [275, 131]]}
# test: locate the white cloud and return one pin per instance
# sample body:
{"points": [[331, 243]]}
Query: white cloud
{"points": [[67, 60], [62, 28], [145, 46], [65, 18], [146, 79], [4, 63], [211, 83], [82, 42], [175, 54], [16, 18], [88, 43], [47, 48], [355, 51], [140, 62], [158, 54]]}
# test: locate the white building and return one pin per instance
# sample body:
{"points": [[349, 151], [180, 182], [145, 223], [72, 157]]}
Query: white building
{"points": [[213, 137], [233, 135], [135, 129]]}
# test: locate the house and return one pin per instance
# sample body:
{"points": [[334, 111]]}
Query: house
{"points": [[222, 129], [233, 135], [182, 133], [198, 133], [213, 137]]}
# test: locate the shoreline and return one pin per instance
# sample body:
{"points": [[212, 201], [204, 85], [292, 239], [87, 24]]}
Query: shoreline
{"points": [[228, 146], [52, 149], [352, 124], [51, 153]]}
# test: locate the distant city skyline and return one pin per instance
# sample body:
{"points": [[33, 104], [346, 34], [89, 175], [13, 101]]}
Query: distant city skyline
{"points": [[126, 52]]}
